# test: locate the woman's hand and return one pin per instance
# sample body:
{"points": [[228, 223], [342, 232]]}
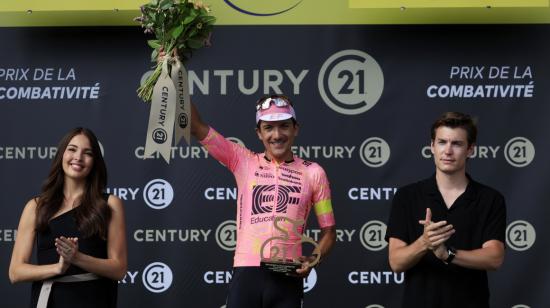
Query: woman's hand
{"points": [[67, 248], [62, 266]]}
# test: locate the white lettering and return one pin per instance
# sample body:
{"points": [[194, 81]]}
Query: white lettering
{"points": [[217, 277], [372, 277], [131, 276], [192, 152], [172, 235], [220, 193], [8, 235], [371, 193], [318, 151]]}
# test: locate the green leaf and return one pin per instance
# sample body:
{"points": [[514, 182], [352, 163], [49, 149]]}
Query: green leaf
{"points": [[194, 12], [165, 4], [188, 19], [152, 16], [210, 20], [154, 55], [153, 44], [177, 31], [159, 19], [192, 32], [195, 43]]}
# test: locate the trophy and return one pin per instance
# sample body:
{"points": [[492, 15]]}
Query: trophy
{"points": [[279, 260]]}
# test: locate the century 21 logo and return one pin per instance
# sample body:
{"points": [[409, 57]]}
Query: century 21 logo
{"points": [[375, 152], [519, 152], [372, 235], [520, 235], [351, 82], [157, 277], [226, 235], [158, 194]]}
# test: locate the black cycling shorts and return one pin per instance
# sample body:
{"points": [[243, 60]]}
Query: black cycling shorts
{"points": [[255, 287]]}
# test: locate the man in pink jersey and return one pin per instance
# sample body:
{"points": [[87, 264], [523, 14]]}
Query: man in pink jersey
{"points": [[275, 183]]}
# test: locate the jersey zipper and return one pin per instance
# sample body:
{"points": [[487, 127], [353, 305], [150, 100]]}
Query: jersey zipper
{"points": [[275, 200]]}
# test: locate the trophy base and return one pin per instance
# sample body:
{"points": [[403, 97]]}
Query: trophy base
{"points": [[281, 266]]}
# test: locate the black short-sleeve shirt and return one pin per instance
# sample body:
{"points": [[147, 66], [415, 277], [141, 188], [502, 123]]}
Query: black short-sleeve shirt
{"points": [[478, 215]]}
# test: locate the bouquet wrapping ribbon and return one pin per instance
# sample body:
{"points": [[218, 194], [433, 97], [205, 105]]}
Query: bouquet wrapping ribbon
{"points": [[170, 109], [183, 107]]}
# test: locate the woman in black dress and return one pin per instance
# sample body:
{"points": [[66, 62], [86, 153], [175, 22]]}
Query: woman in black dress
{"points": [[79, 231]]}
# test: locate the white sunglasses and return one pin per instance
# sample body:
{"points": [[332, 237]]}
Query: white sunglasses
{"points": [[277, 101]]}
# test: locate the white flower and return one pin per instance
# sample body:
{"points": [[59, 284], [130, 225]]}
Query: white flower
{"points": [[198, 4]]}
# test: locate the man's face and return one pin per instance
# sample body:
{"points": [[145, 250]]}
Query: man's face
{"points": [[450, 149], [278, 137]]}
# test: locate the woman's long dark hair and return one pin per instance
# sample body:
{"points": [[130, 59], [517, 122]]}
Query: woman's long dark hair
{"points": [[93, 213]]}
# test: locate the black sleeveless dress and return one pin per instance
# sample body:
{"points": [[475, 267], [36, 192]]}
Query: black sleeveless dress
{"points": [[101, 293]]}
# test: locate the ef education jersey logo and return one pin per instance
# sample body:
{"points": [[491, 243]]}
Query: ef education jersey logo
{"points": [[264, 195], [263, 8]]}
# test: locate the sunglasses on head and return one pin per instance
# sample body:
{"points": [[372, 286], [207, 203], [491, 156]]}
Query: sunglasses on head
{"points": [[277, 100]]}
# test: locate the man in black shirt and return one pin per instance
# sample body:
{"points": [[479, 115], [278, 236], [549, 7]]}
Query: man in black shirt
{"points": [[446, 231]]}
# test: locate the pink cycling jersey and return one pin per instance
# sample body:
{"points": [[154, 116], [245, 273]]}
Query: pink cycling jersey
{"points": [[267, 190]]}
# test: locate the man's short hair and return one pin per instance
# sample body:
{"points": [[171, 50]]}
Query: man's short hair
{"points": [[455, 119]]}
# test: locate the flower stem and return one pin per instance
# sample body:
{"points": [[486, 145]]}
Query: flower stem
{"points": [[145, 92]]}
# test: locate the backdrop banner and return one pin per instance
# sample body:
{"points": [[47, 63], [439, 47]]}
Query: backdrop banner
{"points": [[365, 97]]}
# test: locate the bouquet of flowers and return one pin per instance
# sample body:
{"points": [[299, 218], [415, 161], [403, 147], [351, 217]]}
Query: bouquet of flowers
{"points": [[180, 27]]}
